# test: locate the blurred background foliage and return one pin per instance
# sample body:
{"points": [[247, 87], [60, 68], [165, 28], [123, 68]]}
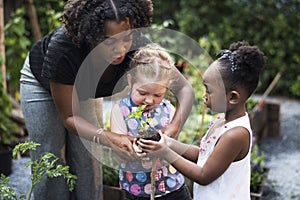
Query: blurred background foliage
{"points": [[272, 25], [19, 35]]}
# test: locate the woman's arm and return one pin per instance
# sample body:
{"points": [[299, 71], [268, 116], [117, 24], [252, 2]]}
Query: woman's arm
{"points": [[185, 95], [66, 101], [117, 123]]}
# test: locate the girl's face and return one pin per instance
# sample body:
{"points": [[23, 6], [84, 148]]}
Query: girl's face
{"points": [[147, 92], [119, 40], [215, 94]]}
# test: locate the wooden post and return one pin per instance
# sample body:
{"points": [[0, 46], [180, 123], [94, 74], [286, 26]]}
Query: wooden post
{"points": [[33, 19], [2, 45]]}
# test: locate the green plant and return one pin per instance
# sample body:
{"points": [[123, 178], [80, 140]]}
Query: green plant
{"points": [[110, 176], [295, 88], [43, 166], [257, 168], [250, 104], [272, 29], [7, 126], [7, 192], [19, 35], [17, 43], [109, 162], [146, 131], [137, 113]]}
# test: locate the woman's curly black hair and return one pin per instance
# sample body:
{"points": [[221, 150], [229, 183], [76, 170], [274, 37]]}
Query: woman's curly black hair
{"points": [[243, 68], [84, 19]]}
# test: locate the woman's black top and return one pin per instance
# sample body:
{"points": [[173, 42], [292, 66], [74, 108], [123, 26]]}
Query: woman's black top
{"points": [[55, 57]]}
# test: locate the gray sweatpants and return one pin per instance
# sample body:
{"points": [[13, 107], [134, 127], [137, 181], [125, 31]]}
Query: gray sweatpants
{"points": [[45, 127]]}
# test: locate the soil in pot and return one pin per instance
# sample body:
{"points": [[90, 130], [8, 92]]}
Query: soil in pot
{"points": [[150, 134]]}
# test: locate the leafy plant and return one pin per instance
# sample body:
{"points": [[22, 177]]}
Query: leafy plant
{"points": [[250, 104], [137, 113], [19, 34], [110, 176], [17, 42], [43, 166], [146, 131], [257, 168], [271, 28], [295, 88], [7, 192], [7, 127]]}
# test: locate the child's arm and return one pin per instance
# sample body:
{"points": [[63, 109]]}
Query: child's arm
{"points": [[232, 146], [189, 152]]}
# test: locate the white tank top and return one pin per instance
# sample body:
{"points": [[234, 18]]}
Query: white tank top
{"points": [[234, 183]]}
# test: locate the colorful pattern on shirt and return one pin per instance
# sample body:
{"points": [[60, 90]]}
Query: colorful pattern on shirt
{"points": [[135, 177]]}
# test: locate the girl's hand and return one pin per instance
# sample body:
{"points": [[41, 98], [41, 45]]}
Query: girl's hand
{"points": [[139, 152], [153, 147]]}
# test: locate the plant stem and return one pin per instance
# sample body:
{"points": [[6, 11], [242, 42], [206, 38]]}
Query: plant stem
{"points": [[153, 178], [30, 193]]}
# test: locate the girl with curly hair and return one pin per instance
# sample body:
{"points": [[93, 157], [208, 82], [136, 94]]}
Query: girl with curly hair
{"points": [[220, 167], [52, 99]]}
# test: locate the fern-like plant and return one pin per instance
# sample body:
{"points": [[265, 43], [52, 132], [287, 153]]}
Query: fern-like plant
{"points": [[43, 166]]}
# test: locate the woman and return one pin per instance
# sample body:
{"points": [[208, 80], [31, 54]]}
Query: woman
{"points": [[51, 97]]}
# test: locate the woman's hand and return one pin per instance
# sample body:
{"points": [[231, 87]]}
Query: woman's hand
{"points": [[122, 146], [121, 141]]}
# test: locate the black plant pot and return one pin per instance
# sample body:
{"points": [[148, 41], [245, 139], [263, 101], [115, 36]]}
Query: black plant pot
{"points": [[6, 162], [113, 193]]}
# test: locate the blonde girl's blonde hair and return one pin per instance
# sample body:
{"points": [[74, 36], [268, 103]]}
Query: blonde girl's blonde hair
{"points": [[152, 62]]}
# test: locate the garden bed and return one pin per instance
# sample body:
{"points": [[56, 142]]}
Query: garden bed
{"points": [[258, 192]]}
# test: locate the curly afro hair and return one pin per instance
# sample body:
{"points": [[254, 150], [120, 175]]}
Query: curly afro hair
{"points": [[84, 19], [249, 62]]}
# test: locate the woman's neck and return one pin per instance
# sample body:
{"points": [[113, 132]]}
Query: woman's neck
{"points": [[109, 73]]}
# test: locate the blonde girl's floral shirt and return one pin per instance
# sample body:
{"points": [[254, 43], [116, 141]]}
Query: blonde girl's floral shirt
{"points": [[135, 177]]}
